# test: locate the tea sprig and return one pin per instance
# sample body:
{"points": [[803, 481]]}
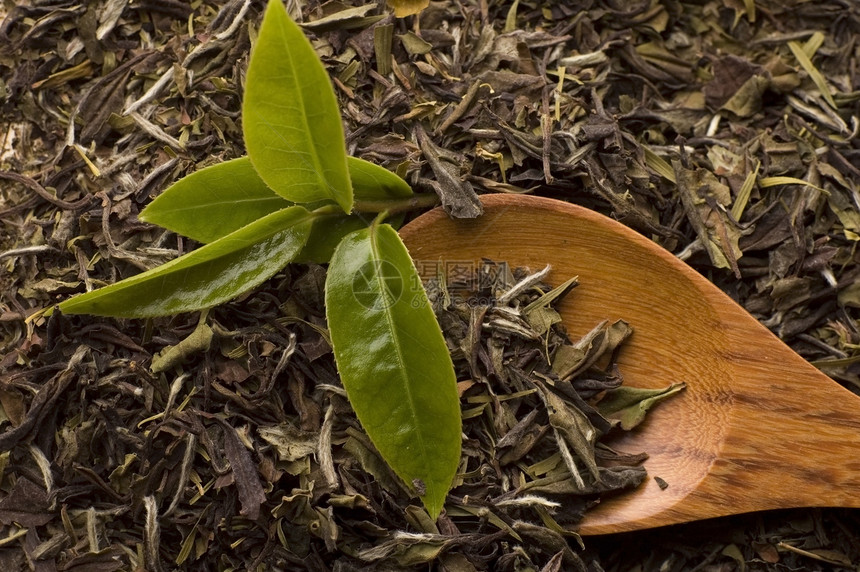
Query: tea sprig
{"points": [[294, 199]]}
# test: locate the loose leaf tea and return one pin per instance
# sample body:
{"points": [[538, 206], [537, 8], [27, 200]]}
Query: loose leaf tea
{"points": [[536, 405], [297, 154], [507, 87]]}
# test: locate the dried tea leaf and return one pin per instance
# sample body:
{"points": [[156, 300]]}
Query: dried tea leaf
{"points": [[26, 504], [701, 195], [12, 406], [198, 341], [766, 182], [290, 442], [573, 425], [848, 215], [245, 476], [804, 60], [743, 195], [458, 196], [737, 86], [628, 405], [553, 295], [345, 19], [658, 164], [571, 359], [403, 8], [408, 549], [383, 35], [541, 319], [370, 461], [415, 44], [747, 100]]}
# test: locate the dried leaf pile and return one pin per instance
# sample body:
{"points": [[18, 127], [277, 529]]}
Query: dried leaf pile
{"points": [[536, 408], [725, 131]]}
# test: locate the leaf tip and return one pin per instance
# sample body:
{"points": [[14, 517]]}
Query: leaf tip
{"points": [[345, 201]]}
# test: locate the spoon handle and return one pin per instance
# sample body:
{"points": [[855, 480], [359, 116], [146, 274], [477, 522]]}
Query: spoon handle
{"points": [[787, 436], [794, 434]]}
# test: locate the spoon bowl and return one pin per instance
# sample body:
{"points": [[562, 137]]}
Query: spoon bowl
{"points": [[757, 428]]}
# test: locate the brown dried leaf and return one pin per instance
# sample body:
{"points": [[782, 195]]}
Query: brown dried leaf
{"points": [[403, 8], [245, 476]]}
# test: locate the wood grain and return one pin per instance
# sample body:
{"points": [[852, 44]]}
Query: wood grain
{"points": [[758, 427]]}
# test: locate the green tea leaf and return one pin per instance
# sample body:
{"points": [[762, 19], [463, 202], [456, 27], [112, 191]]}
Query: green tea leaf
{"points": [[628, 405], [207, 276], [393, 360], [220, 199], [290, 116], [372, 182], [213, 202], [326, 233]]}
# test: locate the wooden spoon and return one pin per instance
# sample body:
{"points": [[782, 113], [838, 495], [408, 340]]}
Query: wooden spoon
{"points": [[757, 428]]}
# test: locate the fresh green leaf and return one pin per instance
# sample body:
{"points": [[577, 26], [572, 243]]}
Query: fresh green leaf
{"points": [[290, 116], [326, 233], [207, 276], [222, 198], [371, 182], [213, 202], [393, 360]]}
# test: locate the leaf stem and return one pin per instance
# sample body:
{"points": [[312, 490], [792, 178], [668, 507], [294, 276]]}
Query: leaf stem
{"points": [[394, 206], [328, 210]]}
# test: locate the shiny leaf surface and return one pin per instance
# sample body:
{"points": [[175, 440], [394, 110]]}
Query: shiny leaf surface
{"points": [[326, 234], [213, 202], [207, 276], [393, 360], [290, 117], [370, 182]]}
